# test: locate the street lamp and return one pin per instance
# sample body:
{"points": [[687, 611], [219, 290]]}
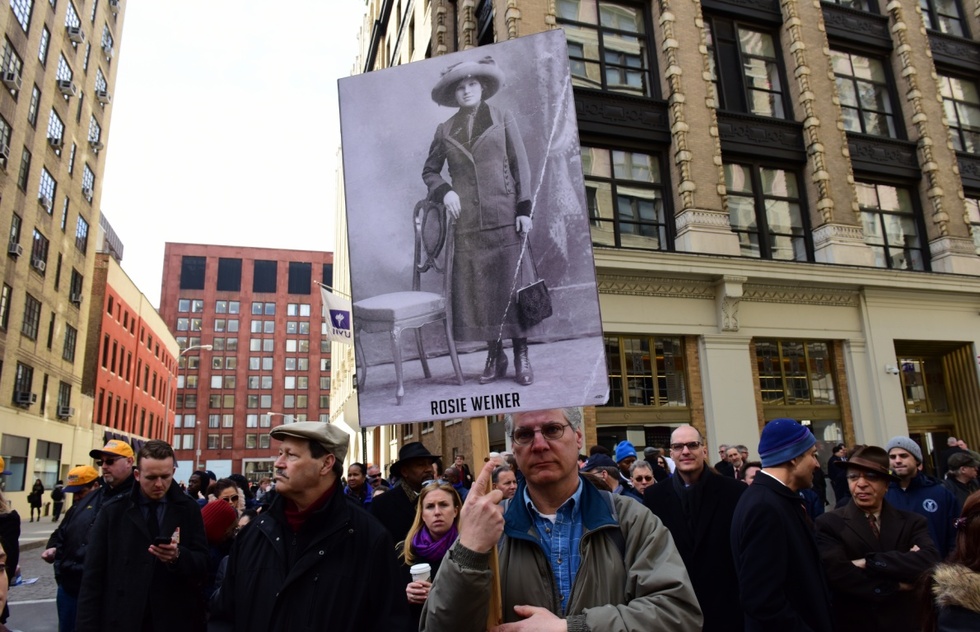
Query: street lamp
{"points": [[287, 418], [197, 440]]}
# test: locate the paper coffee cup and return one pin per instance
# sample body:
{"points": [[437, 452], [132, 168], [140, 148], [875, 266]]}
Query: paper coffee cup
{"points": [[421, 572]]}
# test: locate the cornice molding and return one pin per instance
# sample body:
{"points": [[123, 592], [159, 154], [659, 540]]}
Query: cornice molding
{"points": [[655, 286], [800, 295]]}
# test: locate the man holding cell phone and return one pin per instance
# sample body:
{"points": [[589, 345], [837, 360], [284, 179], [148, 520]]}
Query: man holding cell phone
{"points": [[147, 552]]}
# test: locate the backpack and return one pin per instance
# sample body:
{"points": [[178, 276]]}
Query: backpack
{"points": [[57, 494]]}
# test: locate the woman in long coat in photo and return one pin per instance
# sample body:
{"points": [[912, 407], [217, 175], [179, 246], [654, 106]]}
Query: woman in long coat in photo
{"points": [[489, 196]]}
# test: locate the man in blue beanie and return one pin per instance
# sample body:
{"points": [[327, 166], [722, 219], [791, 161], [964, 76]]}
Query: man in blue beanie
{"points": [[780, 574], [922, 494]]}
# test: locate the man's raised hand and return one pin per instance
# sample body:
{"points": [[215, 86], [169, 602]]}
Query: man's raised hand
{"points": [[481, 521]]}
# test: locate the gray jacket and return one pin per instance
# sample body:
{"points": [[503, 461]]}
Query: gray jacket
{"points": [[636, 581]]}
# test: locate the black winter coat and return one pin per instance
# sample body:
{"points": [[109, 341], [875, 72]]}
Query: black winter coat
{"points": [[344, 578], [780, 575], [71, 540], [869, 599], [706, 549], [122, 579]]}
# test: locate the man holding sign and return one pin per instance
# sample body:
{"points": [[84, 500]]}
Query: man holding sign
{"points": [[612, 564]]}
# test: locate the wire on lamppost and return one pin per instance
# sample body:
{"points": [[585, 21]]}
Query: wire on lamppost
{"points": [[183, 402]]}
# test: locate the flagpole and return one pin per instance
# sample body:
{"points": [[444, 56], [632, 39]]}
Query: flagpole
{"points": [[344, 294]]}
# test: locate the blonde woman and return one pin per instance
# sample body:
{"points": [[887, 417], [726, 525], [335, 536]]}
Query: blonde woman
{"points": [[431, 535]]}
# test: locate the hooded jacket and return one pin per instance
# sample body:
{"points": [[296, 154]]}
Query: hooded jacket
{"points": [[956, 589], [643, 586]]}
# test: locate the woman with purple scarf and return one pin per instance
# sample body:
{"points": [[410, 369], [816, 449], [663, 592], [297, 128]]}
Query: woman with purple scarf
{"points": [[431, 535]]}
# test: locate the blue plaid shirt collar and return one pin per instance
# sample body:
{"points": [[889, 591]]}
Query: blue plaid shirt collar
{"points": [[560, 540]]}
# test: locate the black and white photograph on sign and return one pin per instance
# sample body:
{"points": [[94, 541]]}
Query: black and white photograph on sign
{"points": [[472, 278]]}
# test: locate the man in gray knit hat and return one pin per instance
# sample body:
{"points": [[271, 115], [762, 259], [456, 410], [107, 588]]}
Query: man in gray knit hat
{"points": [[921, 494]]}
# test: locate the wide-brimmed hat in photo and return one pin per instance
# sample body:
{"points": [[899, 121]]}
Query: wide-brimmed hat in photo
{"points": [[869, 459], [409, 451], [485, 70]]}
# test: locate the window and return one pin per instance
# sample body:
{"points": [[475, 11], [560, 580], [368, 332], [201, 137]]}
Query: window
{"points": [[22, 12], [300, 277], [32, 317], [11, 60], [81, 234], [64, 69], [32, 108], [39, 251], [75, 287], [71, 16], [47, 188], [64, 395], [328, 274], [71, 337], [795, 372], [890, 226], [250, 442], [47, 462], [42, 49], [100, 82], [88, 55], [297, 309], [64, 215], [71, 159], [858, 5], [25, 169], [607, 45], [972, 212], [88, 181], [95, 6], [961, 101], [5, 295], [624, 191], [264, 276], [646, 371], [229, 275], [865, 97], [943, 16], [107, 40], [192, 273], [748, 60], [766, 213], [94, 130], [5, 138]]}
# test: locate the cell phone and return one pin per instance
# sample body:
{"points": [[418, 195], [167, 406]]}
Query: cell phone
{"points": [[162, 540]]}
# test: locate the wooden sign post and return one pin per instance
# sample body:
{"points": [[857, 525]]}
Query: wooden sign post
{"points": [[480, 449]]}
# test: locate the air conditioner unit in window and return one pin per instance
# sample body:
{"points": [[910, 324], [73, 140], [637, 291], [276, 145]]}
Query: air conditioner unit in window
{"points": [[45, 202], [103, 96], [114, 6], [15, 250], [87, 192], [75, 298], [108, 51], [96, 145], [23, 398], [39, 265], [67, 87], [76, 34], [65, 412], [11, 79], [56, 142], [4, 151]]}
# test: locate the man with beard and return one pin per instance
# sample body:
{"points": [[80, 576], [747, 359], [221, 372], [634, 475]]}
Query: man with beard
{"points": [[780, 576]]}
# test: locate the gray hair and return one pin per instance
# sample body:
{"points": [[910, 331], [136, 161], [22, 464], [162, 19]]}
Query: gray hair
{"points": [[497, 471], [573, 416], [640, 465]]}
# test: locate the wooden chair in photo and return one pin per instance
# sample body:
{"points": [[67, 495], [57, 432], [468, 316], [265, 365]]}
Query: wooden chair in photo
{"points": [[395, 312]]}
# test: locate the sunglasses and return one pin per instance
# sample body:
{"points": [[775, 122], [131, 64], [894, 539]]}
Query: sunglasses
{"points": [[230, 499], [374, 476], [643, 479], [108, 461]]}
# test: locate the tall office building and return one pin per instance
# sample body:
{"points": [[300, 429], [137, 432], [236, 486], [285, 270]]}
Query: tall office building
{"points": [[58, 75], [249, 326], [784, 200]]}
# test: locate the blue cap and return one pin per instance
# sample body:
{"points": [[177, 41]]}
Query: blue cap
{"points": [[783, 440], [624, 450]]}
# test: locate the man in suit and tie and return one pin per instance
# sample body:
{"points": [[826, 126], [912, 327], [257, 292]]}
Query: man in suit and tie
{"points": [[873, 554], [696, 505]]}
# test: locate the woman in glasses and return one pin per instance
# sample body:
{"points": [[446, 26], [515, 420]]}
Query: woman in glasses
{"points": [[227, 490], [431, 535]]}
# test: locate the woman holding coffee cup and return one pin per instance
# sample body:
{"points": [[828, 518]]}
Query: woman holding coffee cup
{"points": [[431, 535]]}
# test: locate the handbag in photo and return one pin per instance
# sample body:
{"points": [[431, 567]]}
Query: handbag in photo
{"points": [[533, 303]]}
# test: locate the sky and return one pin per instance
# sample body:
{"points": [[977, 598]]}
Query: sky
{"points": [[224, 115]]}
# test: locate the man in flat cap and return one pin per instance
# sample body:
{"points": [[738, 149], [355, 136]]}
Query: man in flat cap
{"points": [[780, 578], [873, 554], [961, 477], [312, 560]]}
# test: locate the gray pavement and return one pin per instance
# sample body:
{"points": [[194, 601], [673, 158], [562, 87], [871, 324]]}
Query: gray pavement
{"points": [[32, 606]]}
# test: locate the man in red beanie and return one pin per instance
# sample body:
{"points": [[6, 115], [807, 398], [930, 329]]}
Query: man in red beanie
{"points": [[778, 565]]}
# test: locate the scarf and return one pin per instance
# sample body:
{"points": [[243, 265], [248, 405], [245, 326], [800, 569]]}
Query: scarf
{"points": [[296, 518], [433, 550]]}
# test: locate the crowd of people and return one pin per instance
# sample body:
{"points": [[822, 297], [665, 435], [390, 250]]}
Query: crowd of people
{"points": [[573, 539]]}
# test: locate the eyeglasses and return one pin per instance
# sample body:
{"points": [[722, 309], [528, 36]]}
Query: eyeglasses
{"points": [[871, 477], [374, 476], [108, 461], [230, 499], [690, 445], [551, 432], [642, 479]]}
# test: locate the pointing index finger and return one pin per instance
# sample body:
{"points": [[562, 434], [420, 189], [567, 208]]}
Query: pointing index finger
{"points": [[481, 485]]}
